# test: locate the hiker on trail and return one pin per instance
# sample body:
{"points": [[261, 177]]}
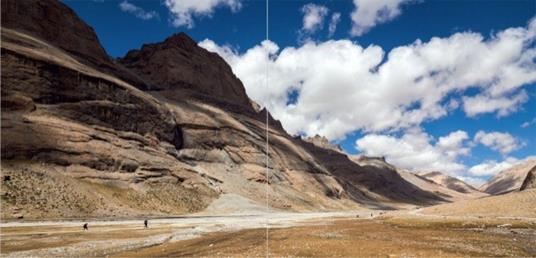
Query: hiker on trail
{"points": [[146, 223], [85, 226]]}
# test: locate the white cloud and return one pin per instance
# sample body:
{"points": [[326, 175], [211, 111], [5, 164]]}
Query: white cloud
{"points": [[313, 17], [137, 11], [343, 87], [498, 141], [184, 11], [452, 144], [416, 150], [484, 103], [492, 167], [335, 19], [474, 181], [528, 123], [369, 13]]}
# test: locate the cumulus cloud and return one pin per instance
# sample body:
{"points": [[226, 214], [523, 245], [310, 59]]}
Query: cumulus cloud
{"points": [[493, 167], [313, 17], [484, 103], [418, 151], [498, 141], [335, 19], [184, 11], [343, 87], [369, 13], [137, 11]]}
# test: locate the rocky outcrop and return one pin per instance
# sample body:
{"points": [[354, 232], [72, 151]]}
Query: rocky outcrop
{"points": [[55, 23], [379, 162], [177, 64], [323, 142], [530, 180], [511, 179]]}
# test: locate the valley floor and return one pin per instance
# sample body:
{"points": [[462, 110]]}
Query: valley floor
{"points": [[398, 233]]}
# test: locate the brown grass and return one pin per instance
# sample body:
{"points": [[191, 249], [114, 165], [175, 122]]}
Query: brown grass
{"points": [[350, 238], [28, 238], [520, 204]]}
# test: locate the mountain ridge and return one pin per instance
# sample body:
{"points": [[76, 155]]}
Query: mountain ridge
{"points": [[511, 179], [108, 142]]}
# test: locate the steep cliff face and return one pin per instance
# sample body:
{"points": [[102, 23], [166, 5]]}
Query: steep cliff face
{"points": [[67, 126], [54, 22], [169, 147], [177, 64]]}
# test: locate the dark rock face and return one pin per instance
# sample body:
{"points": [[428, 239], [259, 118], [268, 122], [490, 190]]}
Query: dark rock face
{"points": [[361, 182], [530, 180], [54, 22], [178, 64], [84, 98]]}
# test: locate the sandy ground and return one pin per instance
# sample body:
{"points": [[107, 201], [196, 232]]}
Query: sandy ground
{"points": [[515, 204], [66, 238], [357, 238], [290, 234]]}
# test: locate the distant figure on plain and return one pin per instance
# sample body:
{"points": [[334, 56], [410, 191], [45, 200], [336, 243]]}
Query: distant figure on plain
{"points": [[85, 226], [146, 223]]}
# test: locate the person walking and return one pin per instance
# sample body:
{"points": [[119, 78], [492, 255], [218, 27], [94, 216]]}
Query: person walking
{"points": [[146, 223], [85, 227]]}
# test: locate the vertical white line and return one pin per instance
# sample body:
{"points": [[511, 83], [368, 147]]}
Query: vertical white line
{"points": [[267, 142]]}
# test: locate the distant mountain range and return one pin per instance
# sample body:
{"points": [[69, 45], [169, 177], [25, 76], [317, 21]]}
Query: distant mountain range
{"points": [[518, 177]]}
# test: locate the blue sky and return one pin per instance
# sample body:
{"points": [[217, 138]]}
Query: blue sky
{"points": [[236, 28]]}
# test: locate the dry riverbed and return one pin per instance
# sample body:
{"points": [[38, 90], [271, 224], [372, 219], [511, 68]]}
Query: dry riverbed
{"points": [[309, 234]]}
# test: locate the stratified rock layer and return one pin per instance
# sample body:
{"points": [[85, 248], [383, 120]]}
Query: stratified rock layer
{"points": [[57, 24], [168, 140]]}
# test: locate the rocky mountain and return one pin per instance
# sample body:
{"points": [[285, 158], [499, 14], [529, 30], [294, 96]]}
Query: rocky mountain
{"points": [[449, 182], [57, 24], [167, 129], [518, 177], [178, 65], [379, 162], [420, 181], [323, 142]]}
